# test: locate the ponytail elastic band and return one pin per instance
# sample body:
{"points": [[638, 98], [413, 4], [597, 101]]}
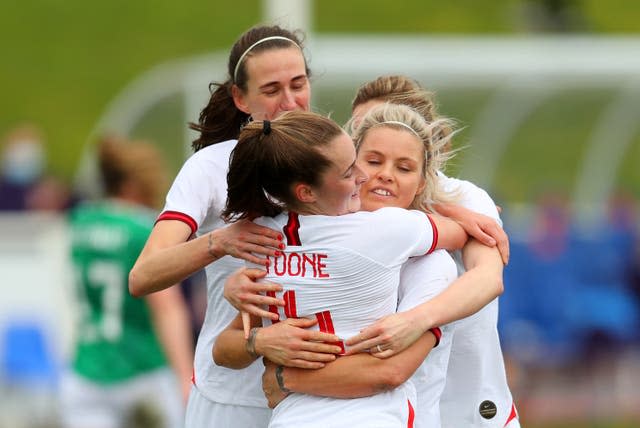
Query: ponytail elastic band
{"points": [[266, 127], [235, 71]]}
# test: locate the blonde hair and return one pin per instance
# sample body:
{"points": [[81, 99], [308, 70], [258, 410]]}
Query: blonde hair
{"points": [[404, 118], [398, 89], [122, 162]]}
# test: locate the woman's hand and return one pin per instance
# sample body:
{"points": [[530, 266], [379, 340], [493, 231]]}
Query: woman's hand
{"points": [[483, 228], [243, 240], [388, 336], [486, 230], [289, 343], [242, 290]]}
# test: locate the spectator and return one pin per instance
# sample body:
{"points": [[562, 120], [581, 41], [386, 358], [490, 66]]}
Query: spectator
{"points": [[23, 161], [24, 184]]}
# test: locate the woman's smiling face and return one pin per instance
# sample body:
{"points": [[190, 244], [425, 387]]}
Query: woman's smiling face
{"points": [[340, 186], [393, 159]]}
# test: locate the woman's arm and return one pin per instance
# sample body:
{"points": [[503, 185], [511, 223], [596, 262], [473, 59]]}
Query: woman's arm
{"points": [[231, 349], [450, 235], [287, 343], [352, 376], [169, 256], [171, 321], [479, 226], [479, 285], [473, 290]]}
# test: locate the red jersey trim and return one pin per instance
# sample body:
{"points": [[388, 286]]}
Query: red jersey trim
{"points": [[290, 309], [435, 236], [325, 325], [513, 415], [291, 229], [412, 415], [175, 215], [273, 308], [437, 333]]}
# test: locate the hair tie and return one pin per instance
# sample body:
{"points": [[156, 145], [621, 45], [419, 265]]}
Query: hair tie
{"points": [[266, 127]]}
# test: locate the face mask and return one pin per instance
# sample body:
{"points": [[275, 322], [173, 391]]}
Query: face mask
{"points": [[23, 161]]}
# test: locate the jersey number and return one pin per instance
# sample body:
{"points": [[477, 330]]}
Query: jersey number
{"points": [[107, 277], [325, 322]]}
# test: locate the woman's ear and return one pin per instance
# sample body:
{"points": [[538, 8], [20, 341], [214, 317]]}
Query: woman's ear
{"points": [[421, 186], [238, 99], [304, 193]]}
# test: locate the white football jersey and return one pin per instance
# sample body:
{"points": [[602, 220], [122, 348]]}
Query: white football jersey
{"points": [[344, 272], [476, 393], [197, 197], [421, 279]]}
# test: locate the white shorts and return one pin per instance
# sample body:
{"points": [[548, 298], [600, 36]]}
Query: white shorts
{"points": [[154, 396], [204, 413]]}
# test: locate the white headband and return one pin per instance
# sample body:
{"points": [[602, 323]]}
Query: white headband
{"points": [[235, 71], [395, 122]]}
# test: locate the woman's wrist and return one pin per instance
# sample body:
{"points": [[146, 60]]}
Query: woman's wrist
{"points": [[421, 316], [280, 380], [212, 246], [250, 345]]}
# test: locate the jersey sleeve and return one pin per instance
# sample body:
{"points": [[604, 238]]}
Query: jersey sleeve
{"points": [[392, 235], [422, 278], [191, 194], [471, 196]]}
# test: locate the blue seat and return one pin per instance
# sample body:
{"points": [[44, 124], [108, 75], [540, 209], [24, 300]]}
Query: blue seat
{"points": [[607, 309], [26, 357], [533, 307]]}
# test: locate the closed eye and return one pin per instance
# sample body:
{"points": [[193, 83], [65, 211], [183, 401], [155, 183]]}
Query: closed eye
{"points": [[299, 83]]}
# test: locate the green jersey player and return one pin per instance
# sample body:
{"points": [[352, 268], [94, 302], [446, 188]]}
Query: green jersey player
{"points": [[124, 346]]}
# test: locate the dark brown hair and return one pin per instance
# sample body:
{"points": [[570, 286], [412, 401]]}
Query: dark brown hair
{"points": [[220, 120], [270, 157]]}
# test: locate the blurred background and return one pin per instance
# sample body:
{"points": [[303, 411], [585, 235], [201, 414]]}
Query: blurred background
{"points": [[546, 92]]}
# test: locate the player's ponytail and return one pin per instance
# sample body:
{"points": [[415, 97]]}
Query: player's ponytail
{"points": [[273, 155]]}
